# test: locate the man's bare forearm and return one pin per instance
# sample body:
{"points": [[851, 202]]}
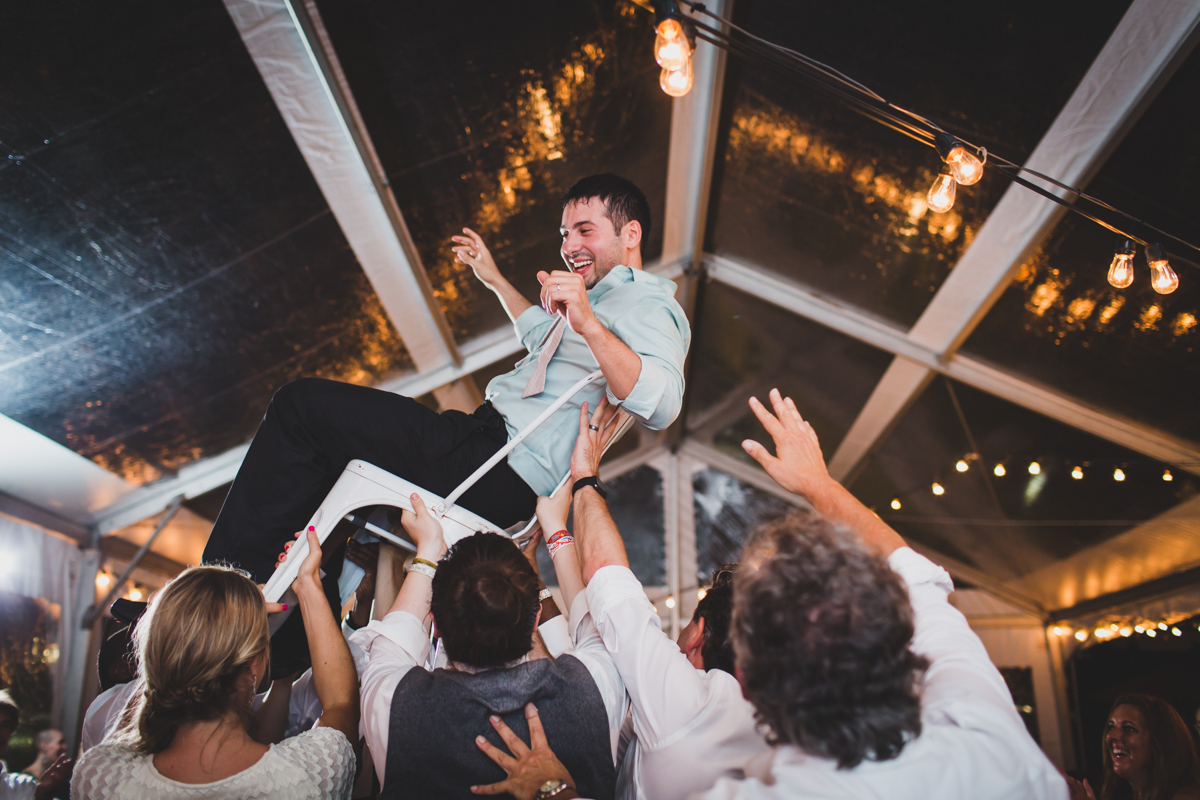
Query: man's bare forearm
{"points": [[835, 503], [596, 535], [620, 365]]}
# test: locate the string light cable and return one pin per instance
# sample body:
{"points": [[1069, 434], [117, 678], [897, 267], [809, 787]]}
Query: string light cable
{"points": [[965, 161]]}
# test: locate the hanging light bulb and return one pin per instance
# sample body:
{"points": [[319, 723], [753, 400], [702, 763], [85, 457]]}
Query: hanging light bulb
{"points": [[1080, 635], [1126, 631], [671, 48], [677, 82], [1162, 626], [1151, 632], [937, 489], [103, 580], [941, 194], [1035, 468], [1167, 476], [701, 592], [999, 471], [1120, 272], [965, 167], [1176, 632], [961, 466], [1118, 474], [895, 503], [1057, 629], [1139, 628], [1162, 278], [135, 594], [1077, 473], [671, 601]]}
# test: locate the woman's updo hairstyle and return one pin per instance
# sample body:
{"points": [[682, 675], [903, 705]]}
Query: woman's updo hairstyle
{"points": [[194, 647]]}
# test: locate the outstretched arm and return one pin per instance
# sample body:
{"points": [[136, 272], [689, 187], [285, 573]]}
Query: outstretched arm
{"points": [[417, 590], [552, 515], [597, 539], [471, 250], [799, 467], [334, 675]]}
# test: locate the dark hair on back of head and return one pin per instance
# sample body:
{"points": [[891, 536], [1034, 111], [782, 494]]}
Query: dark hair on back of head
{"points": [[623, 201], [822, 629], [716, 608], [485, 601]]}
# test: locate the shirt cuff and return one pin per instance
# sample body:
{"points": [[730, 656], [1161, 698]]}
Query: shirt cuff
{"points": [[647, 395], [610, 587], [529, 320], [915, 570], [401, 629], [556, 636]]}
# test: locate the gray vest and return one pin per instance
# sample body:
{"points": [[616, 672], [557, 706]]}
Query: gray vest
{"points": [[437, 715]]}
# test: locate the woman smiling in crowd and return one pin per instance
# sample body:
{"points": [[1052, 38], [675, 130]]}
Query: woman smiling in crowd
{"points": [[1148, 754]]}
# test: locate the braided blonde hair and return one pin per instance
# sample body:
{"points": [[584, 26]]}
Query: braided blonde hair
{"points": [[195, 645]]}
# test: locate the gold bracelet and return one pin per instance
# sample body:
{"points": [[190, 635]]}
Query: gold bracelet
{"points": [[422, 568], [425, 561]]}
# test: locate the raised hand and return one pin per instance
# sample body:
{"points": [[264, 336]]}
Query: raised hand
{"points": [[589, 446], [1080, 790], [471, 250], [552, 511], [424, 529], [53, 777], [565, 292], [529, 766], [798, 464]]}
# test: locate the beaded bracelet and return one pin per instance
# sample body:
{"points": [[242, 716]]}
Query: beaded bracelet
{"points": [[559, 540]]}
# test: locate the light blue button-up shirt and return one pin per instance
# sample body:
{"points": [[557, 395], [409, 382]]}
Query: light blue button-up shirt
{"points": [[640, 309]]}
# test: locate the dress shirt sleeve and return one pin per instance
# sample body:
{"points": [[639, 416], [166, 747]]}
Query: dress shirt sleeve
{"points": [[393, 645], [961, 684], [658, 333], [532, 325], [667, 692], [556, 636], [590, 650]]}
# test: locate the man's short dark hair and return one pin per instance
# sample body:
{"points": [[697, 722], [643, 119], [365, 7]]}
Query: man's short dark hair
{"points": [[822, 629], [623, 201], [716, 608], [485, 601]]}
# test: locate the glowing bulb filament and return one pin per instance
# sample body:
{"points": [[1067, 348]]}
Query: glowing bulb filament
{"points": [[1162, 278], [941, 194], [671, 48], [1120, 272], [961, 466], [1035, 468], [1118, 474], [677, 82], [999, 471], [1167, 476], [938, 490], [964, 166], [1077, 473]]}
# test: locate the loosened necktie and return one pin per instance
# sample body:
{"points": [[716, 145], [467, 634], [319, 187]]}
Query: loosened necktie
{"points": [[537, 382]]}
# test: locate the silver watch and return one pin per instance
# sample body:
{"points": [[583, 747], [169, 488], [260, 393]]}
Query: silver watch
{"points": [[551, 788]]}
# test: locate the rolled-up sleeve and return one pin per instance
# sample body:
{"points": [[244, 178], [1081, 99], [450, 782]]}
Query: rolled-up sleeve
{"points": [[532, 325], [657, 331], [393, 646]]}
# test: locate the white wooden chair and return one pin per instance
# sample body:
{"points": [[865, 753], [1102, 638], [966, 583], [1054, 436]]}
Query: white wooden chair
{"points": [[362, 484]]}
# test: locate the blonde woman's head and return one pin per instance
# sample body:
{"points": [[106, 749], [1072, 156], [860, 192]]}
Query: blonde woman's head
{"points": [[201, 649]]}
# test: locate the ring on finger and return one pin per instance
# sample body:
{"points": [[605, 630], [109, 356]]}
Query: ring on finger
{"points": [[558, 287], [592, 427]]}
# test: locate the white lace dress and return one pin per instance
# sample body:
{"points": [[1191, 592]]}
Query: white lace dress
{"points": [[317, 764]]}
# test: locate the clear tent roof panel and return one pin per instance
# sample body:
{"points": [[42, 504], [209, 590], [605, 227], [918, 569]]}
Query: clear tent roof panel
{"points": [[808, 189], [746, 346], [166, 257], [484, 120], [1055, 513], [1131, 351]]}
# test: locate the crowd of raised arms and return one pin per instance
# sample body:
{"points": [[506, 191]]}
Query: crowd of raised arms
{"points": [[827, 663]]}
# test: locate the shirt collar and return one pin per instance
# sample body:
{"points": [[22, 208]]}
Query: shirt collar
{"points": [[620, 275]]}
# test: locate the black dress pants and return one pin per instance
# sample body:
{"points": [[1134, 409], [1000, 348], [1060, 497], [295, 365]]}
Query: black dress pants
{"points": [[314, 427]]}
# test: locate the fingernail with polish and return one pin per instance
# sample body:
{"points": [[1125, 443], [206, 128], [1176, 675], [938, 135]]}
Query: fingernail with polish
{"points": [[285, 606], [311, 528]]}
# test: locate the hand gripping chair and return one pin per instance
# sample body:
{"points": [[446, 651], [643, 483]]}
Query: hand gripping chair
{"points": [[362, 484]]}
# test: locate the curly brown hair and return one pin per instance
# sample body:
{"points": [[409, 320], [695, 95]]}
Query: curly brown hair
{"points": [[822, 629], [1173, 761]]}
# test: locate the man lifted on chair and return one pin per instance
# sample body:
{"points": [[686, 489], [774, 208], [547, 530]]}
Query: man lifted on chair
{"points": [[602, 311]]}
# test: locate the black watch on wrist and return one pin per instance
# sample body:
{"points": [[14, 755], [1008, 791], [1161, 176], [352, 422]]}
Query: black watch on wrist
{"points": [[593, 481]]}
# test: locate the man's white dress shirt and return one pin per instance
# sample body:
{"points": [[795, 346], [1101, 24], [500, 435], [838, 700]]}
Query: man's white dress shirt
{"points": [[691, 727], [972, 745], [399, 642], [16, 786]]}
